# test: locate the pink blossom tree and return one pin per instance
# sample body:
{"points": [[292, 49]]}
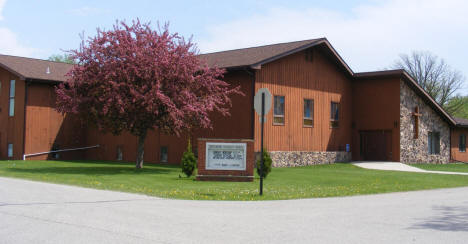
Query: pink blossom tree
{"points": [[133, 78]]}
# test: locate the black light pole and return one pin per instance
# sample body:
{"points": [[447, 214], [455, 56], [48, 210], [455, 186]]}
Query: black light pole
{"points": [[261, 143]]}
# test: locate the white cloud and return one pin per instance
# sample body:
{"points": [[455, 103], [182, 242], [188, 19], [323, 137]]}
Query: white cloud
{"points": [[9, 43], [370, 37], [88, 11]]}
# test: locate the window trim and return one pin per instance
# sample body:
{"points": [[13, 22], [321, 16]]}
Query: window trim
{"points": [[460, 144], [332, 120], [284, 111], [312, 114]]}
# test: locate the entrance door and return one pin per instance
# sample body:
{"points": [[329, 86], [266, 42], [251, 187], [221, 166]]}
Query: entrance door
{"points": [[376, 145]]}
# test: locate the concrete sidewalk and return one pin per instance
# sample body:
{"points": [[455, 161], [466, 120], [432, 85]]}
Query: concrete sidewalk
{"points": [[395, 166]]}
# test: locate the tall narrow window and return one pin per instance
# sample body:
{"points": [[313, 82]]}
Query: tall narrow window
{"points": [[12, 98], [334, 115], [119, 153], [308, 113], [163, 154], [278, 111], [462, 143], [433, 142], [10, 150]]}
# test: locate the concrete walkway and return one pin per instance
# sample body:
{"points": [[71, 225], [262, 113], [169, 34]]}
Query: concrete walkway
{"points": [[395, 166]]}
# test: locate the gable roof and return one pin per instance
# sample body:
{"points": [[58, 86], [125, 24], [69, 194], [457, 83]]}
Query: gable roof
{"points": [[255, 57], [30, 68], [461, 122], [411, 82]]}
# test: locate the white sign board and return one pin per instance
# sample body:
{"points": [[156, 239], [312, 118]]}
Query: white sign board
{"points": [[225, 156], [258, 101]]}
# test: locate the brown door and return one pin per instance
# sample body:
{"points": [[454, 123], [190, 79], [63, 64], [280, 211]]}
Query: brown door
{"points": [[376, 145]]}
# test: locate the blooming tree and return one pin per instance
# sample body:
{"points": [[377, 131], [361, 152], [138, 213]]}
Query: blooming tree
{"points": [[133, 78]]}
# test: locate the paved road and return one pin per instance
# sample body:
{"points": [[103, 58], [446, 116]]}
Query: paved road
{"points": [[33, 212]]}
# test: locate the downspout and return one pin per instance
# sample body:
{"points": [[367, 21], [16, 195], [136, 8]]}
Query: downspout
{"points": [[26, 84], [252, 113], [450, 145]]}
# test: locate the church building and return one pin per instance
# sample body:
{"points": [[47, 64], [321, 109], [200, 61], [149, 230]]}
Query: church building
{"points": [[322, 112]]}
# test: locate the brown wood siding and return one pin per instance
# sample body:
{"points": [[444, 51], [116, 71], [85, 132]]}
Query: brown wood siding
{"points": [[297, 79], [455, 137], [376, 107], [11, 128], [45, 127], [236, 126]]}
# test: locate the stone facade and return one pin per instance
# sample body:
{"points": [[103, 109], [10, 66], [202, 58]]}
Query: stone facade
{"points": [[300, 158], [416, 150]]}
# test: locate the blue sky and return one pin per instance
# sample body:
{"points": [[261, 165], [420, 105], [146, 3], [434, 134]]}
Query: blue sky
{"points": [[369, 35]]}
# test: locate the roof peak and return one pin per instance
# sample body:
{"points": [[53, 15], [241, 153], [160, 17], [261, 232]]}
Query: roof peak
{"points": [[38, 59], [267, 45]]}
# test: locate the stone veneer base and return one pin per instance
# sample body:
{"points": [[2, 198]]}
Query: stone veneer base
{"points": [[304, 158]]}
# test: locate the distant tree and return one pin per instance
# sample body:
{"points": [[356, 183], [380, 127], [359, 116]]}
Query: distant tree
{"points": [[133, 78], [435, 76], [463, 111], [64, 58]]}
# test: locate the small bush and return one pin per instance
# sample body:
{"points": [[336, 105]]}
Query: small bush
{"points": [[189, 161], [266, 164]]}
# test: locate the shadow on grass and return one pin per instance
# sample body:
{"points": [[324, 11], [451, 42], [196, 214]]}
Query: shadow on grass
{"points": [[86, 170]]}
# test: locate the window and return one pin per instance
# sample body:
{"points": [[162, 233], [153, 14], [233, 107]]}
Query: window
{"points": [[55, 147], [462, 143], [10, 150], [119, 153], [163, 154], [334, 115], [308, 119], [433, 142], [12, 98], [278, 111]]}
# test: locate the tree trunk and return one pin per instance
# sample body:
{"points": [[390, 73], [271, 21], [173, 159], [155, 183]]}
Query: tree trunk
{"points": [[140, 150]]}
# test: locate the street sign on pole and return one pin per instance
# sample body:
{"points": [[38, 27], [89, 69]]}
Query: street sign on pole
{"points": [[262, 105], [258, 101]]}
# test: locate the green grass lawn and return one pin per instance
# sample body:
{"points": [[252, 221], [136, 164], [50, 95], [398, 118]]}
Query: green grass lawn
{"points": [[282, 183], [454, 167]]}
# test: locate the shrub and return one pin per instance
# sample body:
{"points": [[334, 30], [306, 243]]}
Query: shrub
{"points": [[266, 164], [189, 161]]}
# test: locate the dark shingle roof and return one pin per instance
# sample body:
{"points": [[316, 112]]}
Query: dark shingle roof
{"points": [[461, 121], [29, 68], [254, 55]]}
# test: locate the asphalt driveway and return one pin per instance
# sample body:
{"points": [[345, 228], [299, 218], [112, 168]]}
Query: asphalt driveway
{"points": [[35, 212]]}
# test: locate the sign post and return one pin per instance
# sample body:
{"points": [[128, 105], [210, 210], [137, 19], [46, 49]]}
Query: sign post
{"points": [[262, 105]]}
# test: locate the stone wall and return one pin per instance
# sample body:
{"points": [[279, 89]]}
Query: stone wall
{"points": [[416, 150], [303, 158]]}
